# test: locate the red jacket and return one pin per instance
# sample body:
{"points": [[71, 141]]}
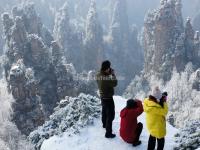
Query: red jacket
{"points": [[128, 123]]}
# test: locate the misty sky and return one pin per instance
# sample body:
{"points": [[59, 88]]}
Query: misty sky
{"points": [[136, 8]]}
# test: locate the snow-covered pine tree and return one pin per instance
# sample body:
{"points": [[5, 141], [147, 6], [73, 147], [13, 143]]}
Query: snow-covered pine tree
{"points": [[188, 136]]}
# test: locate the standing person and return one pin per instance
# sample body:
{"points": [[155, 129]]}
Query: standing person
{"points": [[106, 81], [156, 110], [130, 129]]}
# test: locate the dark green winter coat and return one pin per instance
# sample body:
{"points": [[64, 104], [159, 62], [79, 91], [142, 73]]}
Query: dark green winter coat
{"points": [[106, 84]]}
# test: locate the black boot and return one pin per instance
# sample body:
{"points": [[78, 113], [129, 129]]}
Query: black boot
{"points": [[110, 135], [136, 143]]}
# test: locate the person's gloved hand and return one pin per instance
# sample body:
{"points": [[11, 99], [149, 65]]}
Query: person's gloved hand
{"points": [[164, 95]]}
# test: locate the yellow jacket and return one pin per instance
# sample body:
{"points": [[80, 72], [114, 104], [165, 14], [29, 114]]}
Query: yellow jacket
{"points": [[155, 118]]}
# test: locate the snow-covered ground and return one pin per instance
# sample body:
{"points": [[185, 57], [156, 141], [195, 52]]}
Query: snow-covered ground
{"points": [[92, 137]]}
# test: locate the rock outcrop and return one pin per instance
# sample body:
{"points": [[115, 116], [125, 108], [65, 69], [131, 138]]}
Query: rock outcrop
{"points": [[167, 42], [162, 28], [36, 71], [172, 62]]}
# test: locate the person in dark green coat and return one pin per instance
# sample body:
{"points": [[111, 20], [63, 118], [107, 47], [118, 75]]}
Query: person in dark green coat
{"points": [[106, 81]]}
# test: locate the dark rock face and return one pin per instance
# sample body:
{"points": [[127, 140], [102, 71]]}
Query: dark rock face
{"points": [[35, 70]]}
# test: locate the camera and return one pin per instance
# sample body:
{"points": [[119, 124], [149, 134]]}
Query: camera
{"points": [[111, 71]]}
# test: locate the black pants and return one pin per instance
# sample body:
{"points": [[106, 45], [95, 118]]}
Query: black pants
{"points": [[152, 143], [138, 131], [108, 113]]}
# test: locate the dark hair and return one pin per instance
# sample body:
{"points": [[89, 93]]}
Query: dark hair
{"points": [[164, 94], [105, 65], [130, 104]]}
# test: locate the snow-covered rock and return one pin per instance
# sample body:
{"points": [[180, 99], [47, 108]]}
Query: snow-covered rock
{"points": [[162, 27], [35, 68]]}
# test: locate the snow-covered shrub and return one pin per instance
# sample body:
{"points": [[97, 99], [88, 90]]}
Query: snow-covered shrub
{"points": [[70, 116], [188, 137], [183, 99]]}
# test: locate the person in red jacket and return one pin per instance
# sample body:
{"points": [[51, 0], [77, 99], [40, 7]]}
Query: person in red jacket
{"points": [[130, 129]]}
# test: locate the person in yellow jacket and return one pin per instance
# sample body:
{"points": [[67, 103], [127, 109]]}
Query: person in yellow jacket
{"points": [[156, 109]]}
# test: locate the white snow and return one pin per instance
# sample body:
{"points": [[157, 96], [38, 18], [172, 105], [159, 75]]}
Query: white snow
{"points": [[92, 137]]}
